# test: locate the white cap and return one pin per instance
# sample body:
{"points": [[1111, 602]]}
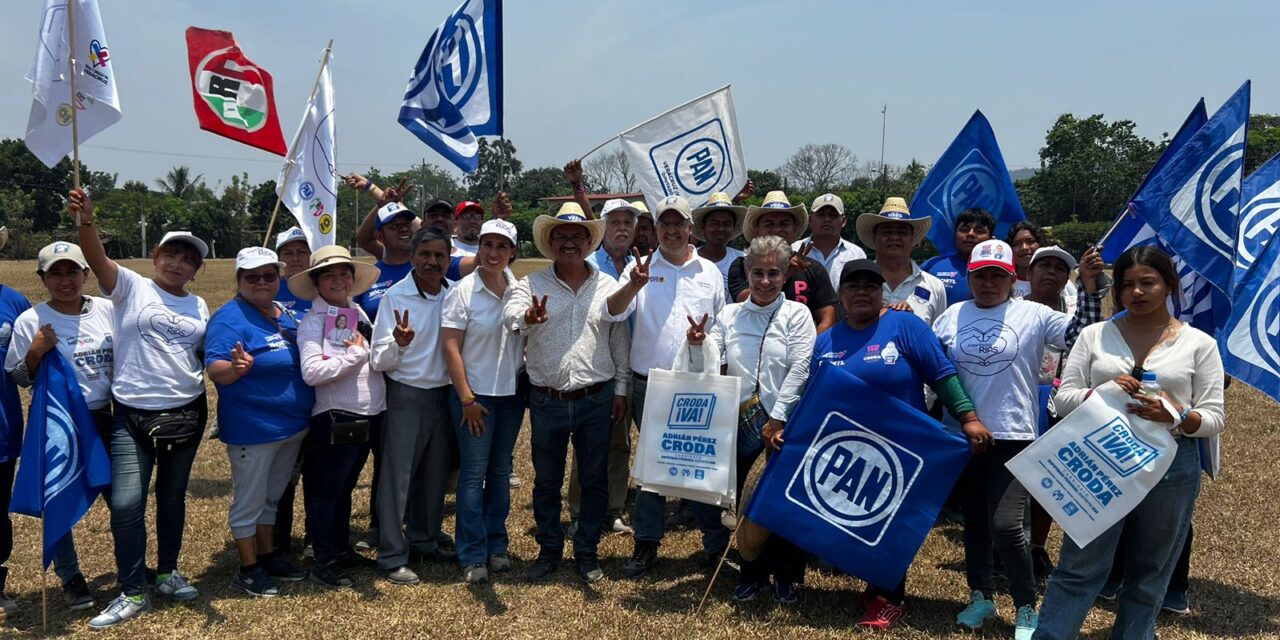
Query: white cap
{"points": [[828, 200], [254, 257], [1054, 252], [392, 210], [674, 203], [499, 227], [57, 252], [618, 204], [290, 235], [187, 237], [991, 253]]}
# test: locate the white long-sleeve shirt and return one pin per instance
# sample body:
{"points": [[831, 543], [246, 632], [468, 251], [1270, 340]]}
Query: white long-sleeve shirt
{"points": [[788, 346], [343, 381], [421, 364]]}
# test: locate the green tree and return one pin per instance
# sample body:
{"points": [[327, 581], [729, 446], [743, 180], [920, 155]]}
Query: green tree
{"points": [[48, 187], [179, 183], [497, 166], [1264, 140], [765, 180], [540, 182]]}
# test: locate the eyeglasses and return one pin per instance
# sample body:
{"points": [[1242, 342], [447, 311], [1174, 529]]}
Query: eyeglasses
{"points": [[255, 278], [472, 216]]}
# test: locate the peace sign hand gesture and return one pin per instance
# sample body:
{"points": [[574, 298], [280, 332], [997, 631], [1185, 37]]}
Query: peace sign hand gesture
{"points": [[697, 331], [396, 193], [798, 264], [241, 361], [537, 312], [403, 333], [640, 272]]}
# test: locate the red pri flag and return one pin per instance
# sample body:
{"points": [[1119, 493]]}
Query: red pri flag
{"points": [[234, 97]]}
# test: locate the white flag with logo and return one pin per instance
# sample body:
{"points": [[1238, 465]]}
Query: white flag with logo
{"points": [[97, 105], [312, 190], [692, 150]]}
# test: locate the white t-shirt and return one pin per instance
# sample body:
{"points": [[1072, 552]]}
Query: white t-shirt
{"points": [[85, 340], [158, 337], [998, 352], [662, 308], [493, 356], [461, 248]]}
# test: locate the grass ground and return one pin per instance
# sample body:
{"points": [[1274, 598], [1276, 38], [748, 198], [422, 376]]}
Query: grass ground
{"points": [[1234, 587]]}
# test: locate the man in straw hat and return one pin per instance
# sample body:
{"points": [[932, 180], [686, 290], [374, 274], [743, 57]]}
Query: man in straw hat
{"points": [[663, 291], [826, 244], [893, 233], [578, 364], [717, 223], [807, 280]]}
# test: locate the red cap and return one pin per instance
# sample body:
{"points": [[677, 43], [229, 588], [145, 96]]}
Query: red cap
{"points": [[467, 204]]}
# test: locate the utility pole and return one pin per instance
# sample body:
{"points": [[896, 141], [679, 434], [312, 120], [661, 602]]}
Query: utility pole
{"points": [[142, 224], [884, 118]]}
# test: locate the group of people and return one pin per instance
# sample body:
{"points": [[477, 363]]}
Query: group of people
{"points": [[427, 361]]}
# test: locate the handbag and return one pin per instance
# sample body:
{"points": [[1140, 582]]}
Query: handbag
{"points": [[751, 414], [346, 427]]}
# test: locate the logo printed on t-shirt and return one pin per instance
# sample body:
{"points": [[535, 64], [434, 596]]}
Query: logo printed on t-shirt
{"points": [[165, 330], [986, 347]]}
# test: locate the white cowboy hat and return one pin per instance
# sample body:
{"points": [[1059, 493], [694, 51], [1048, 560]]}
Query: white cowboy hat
{"points": [[775, 201], [569, 213], [894, 210], [366, 274], [719, 201]]}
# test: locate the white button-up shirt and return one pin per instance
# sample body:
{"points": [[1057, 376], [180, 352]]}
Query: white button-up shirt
{"points": [[661, 308], [834, 262], [421, 364], [923, 291], [578, 345], [492, 355]]}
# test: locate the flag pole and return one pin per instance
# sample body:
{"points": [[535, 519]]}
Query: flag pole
{"points": [[1114, 225], [598, 147], [297, 137], [75, 117]]}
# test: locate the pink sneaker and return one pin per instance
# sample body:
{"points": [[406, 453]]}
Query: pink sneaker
{"points": [[881, 614]]}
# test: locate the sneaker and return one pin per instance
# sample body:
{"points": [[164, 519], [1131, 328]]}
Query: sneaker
{"points": [[176, 587], [514, 480], [309, 552], [747, 591], [785, 592], [643, 557], [615, 525], [331, 575], [545, 565], [475, 574], [1042, 563], [402, 575], [499, 563], [1109, 591], [1027, 619], [1176, 602], [588, 567], [281, 569], [121, 609], [728, 520], [980, 608], [880, 614], [255, 583], [76, 594]]}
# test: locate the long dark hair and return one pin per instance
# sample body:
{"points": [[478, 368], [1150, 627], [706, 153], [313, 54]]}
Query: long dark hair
{"points": [[1146, 256]]}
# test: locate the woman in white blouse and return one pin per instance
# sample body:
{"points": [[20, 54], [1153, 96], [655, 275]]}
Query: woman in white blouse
{"points": [[767, 341], [1189, 371]]}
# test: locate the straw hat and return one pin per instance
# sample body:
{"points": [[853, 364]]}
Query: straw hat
{"points": [[569, 213], [366, 274], [894, 210], [719, 201], [775, 201]]}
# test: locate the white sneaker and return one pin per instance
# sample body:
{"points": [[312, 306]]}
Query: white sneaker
{"points": [[121, 609], [728, 520], [515, 480], [176, 587]]}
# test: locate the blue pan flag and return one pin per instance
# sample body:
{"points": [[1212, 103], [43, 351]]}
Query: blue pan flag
{"points": [[64, 465], [455, 92], [861, 478], [971, 173], [1259, 215], [1250, 344]]}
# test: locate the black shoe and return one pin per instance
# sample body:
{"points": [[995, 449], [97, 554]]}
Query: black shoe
{"points": [[708, 561], [1042, 563], [331, 575], [445, 541], [642, 559], [546, 564], [281, 569], [682, 518], [353, 560], [76, 594], [435, 555], [588, 567]]}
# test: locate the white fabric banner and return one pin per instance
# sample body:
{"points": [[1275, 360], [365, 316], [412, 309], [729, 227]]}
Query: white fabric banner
{"points": [[1094, 467], [691, 151], [98, 106], [312, 191], [688, 438]]}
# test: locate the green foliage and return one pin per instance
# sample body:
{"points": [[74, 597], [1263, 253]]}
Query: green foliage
{"points": [[541, 182], [1075, 237], [498, 166], [765, 180], [1264, 140]]}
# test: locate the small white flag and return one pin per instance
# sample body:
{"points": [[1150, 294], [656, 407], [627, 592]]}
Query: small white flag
{"points": [[312, 190], [49, 126]]}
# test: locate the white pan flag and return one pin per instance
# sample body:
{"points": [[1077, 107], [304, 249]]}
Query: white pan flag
{"points": [[692, 150], [312, 189], [98, 106]]}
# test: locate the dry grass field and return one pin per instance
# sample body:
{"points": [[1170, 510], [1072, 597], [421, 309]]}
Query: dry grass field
{"points": [[1235, 592]]}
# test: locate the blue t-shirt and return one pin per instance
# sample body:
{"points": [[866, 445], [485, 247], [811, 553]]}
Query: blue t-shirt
{"points": [[271, 402], [898, 355], [12, 304], [295, 305], [953, 271], [388, 274]]}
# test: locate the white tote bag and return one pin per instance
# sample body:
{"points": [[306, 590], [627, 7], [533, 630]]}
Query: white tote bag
{"points": [[1094, 467], [688, 437]]}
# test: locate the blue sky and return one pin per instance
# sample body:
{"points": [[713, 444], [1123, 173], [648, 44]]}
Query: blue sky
{"points": [[580, 72]]}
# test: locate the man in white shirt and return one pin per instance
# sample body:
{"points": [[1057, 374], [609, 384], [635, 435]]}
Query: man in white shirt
{"points": [[893, 233], [662, 292], [826, 244], [418, 435], [717, 223], [577, 360], [469, 216]]}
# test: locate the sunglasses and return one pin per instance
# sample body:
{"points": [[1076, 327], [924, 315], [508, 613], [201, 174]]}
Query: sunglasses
{"points": [[255, 278]]}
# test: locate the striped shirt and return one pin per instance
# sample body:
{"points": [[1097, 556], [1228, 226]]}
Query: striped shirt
{"points": [[345, 382]]}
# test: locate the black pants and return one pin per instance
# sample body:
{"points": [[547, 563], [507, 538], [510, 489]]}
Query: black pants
{"points": [[6, 523], [329, 476]]}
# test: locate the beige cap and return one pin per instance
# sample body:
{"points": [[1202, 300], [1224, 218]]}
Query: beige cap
{"points": [[57, 252]]}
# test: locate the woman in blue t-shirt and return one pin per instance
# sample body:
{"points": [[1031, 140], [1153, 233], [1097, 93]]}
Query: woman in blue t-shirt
{"points": [[898, 354], [263, 410]]}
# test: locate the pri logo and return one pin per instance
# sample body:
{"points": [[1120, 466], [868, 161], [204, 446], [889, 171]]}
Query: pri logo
{"points": [[234, 89], [1116, 444], [854, 478], [98, 54], [986, 347], [691, 411], [696, 162], [973, 183]]}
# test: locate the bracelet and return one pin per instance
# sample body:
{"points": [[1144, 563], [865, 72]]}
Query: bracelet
{"points": [[370, 186], [468, 401], [579, 189]]}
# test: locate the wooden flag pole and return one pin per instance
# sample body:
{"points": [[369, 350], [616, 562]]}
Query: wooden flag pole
{"points": [[297, 137]]}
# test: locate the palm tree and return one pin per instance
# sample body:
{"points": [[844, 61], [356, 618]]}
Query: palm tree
{"points": [[179, 183]]}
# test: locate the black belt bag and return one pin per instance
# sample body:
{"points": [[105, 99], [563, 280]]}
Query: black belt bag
{"points": [[346, 427], [167, 430]]}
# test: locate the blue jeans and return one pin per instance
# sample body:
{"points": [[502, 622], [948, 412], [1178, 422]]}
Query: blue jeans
{"points": [[329, 475], [484, 479], [555, 423], [1153, 534], [650, 510], [131, 465]]}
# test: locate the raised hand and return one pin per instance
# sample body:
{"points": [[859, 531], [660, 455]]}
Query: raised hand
{"points": [[537, 312], [241, 361], [473, 418], [403, 333], [44, 341], [640, 272], [356, 181], [396, 193], [1090, 267], [502, 206], [798, 264], [81, 206], [697, 330], [748, 190], [573, 172]]}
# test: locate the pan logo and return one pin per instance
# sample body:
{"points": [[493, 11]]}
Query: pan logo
{"points": [[61, 450], [1259, 220], [691, 411], [854, 479], [973, 183], [696, 162], [1214, 192]]}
